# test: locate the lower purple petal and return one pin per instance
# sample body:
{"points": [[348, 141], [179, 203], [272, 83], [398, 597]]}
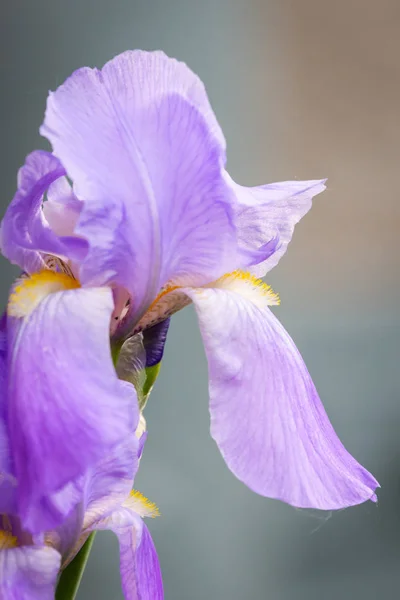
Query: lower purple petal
{"points": [[149, 578], [266, 416], [112, 478], [7, 479], [28, 573], [66, 408], [141, 577]]}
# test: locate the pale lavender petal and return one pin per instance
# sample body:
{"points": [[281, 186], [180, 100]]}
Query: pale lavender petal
{"points": [[266, 416], [105, 487], [140, 569], [62, 208], [63, 510], [149, 585], [7, 479], [24, 231], [66, 409], [28, 573], [110, 482], [145, 154], [269, 210]]}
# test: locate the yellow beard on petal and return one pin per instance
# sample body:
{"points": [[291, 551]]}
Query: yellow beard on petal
{"points": [[141, 505], [249, 287], [171, 298], [28, 292], [7, 540]]}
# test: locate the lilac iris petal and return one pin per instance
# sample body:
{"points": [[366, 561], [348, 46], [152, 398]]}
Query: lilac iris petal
{"points": [[62, 208], [24, 231], [28, 573], [141, 577], [140, 570], [66, 406], [112, 478], [7, 479], [145, 154], [104, 488], [266, 416], [267, 210], [137, 544], [108, 505]]}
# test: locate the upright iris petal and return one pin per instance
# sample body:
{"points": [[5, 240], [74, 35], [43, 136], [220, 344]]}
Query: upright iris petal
{"points": [[271, 209], [24, 230], [162, 201], [28, 573]]}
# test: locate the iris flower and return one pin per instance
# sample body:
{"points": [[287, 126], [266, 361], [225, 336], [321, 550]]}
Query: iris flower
{"points": [[30, 565], [134, 202]]}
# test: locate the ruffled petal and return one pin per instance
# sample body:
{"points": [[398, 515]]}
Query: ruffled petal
{"points": [[62, 208], [266, 416], [145, 153], [271, 210], [66, 407], [25, 232], [28, 573]]}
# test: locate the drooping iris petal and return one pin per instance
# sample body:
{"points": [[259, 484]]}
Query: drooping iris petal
{"points": [[105, 487], [140, 569], [28, 573], [24, 230], [268, 210], [7, 479], [266, 416], [67, 409], [148, 576], [145, 154], [111, 480]]}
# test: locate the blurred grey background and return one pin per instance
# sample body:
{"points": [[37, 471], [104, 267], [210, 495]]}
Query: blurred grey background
{"points": [[302, 89]]}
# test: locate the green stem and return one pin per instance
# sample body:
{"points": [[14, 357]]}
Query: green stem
{"points": [[71, 577]]}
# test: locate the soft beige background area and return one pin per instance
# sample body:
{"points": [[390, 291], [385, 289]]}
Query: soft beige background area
{"points": [[303, 90]]}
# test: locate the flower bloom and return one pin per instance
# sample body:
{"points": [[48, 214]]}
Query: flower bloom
{"points": [[30, 565], [151, 223]]}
